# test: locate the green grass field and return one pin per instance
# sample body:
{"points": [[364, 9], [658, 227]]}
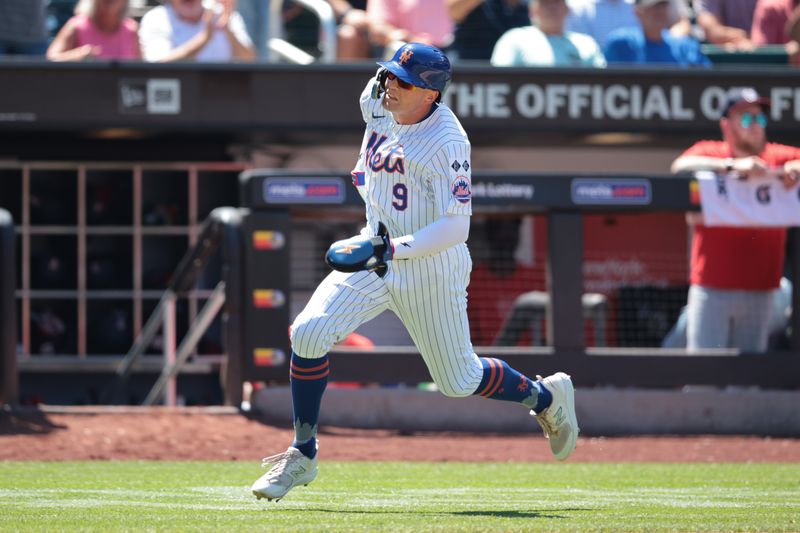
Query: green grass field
{"points": [[214, 496]]}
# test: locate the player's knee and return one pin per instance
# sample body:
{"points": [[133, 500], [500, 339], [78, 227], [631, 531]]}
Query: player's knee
{"points": [[455, 393], [306, 339], [467, 381], [456, 390]]}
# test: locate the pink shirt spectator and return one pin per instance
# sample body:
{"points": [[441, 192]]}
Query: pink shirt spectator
{"points": [[119, 45], [769, 22], [424, 19]]}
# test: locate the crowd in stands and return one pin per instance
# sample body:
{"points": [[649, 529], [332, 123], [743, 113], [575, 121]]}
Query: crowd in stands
{"points": [[592, 33]]}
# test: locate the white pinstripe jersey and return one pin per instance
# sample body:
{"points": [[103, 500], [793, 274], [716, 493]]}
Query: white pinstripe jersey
{"points": [[413, 174]]}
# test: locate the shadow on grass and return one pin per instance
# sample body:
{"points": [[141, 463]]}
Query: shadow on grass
{"points": [[533, 513], [539, 513]]}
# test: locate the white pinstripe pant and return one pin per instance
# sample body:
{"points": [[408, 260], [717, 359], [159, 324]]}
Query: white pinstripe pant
{"points": [[428, 295]]}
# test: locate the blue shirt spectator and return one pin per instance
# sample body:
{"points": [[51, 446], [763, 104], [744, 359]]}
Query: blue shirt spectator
{"points": [[629, 45], [651, 41], [599, 18]]}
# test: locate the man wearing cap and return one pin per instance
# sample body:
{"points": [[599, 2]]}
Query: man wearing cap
{"points": [[599, 18], [652, 42], [734, 270]]}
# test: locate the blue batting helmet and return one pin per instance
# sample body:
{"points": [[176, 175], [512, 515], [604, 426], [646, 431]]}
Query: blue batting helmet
{"points": [[421, 65]]}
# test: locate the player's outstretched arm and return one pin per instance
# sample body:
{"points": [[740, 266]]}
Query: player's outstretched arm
{"points": [[362, 253], [372, 253], [444, 233]]}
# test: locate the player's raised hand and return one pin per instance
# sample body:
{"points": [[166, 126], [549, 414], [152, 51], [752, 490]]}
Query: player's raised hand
{"points": [[380, 83], [362, 253]]}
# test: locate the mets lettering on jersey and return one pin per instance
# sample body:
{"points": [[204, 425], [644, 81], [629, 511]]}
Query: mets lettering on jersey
{"points": [[379, 157]]}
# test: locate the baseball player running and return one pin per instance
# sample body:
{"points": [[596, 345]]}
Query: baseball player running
{"points": [[414, 173]]}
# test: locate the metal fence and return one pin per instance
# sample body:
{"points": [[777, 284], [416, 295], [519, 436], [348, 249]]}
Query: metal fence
{"points": [[613, 339]]}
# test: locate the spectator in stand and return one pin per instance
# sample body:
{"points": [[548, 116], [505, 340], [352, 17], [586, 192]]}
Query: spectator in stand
{"points": [[651, 40], [352, 31], [186, 30], [22, 27], [99, 29], [392, 23], [726, 22], [598, 18], [793, 25], [771, 21], [772, 24], [546, 44], [480, 23], [680, 15], [255, 14], [735, 270]]}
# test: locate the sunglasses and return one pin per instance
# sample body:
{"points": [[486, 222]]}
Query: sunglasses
{"points": [[746, 120], [400, 83]]}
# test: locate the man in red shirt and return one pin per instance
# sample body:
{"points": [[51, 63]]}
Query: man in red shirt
{"points": [[734, 270]]}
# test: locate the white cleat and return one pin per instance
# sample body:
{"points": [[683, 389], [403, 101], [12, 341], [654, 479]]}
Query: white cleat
{"points": [[288, 469], [558, 421]]}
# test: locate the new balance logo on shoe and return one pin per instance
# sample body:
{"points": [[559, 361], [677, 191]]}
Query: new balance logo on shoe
{"points": [[559, 417]]}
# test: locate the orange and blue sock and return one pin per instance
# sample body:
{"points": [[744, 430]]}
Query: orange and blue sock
{"points": [[501, 382], [308, 379]]}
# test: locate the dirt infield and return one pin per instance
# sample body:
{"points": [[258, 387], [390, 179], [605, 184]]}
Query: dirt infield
{"points": [[204, 434]]}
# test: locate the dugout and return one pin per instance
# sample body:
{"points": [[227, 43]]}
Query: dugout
{"points": [[168, 142], [563, 200]]}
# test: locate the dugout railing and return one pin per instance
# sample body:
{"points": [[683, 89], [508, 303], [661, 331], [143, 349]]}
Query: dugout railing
{"points": [[221, 232], [8, 311], [564, 200]]}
